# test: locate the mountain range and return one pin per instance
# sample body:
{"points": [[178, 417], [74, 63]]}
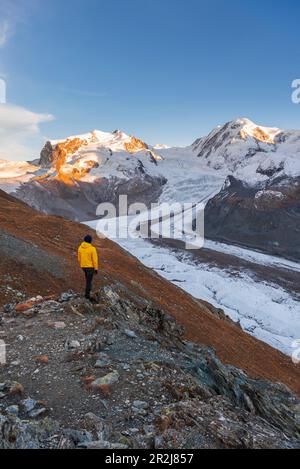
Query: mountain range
{"points": [[250, 173]]}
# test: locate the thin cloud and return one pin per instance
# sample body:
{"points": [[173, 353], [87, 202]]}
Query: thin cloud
{"points": [[20, 135], [4, 32], [13, 13], [87, 93]]}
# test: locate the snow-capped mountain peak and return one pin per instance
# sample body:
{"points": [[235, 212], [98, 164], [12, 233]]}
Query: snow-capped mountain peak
{"points": [[235, 130], [240, 148], [250, 151], [258, 132], [57, 151]]}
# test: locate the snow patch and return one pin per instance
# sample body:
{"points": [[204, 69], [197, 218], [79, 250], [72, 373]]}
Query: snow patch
{"points": [[269, 195]]}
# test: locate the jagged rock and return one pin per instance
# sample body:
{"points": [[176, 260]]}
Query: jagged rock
{"points": [[72, 345], [16, 434], [46, 155], [161, 323], [37, 412], [102, 445], [103, 361], [28, 404], [112, 295], [109, 379], [12, 410], [140, 404], [270, 168], [102, 428], [139, 412], [217, 424], [78, 437], [67, 296], [140, 408], [80, 306], [273, 402]]}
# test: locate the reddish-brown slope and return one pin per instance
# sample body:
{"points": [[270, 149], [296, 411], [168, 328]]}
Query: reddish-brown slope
{"points": [[59, 239]]}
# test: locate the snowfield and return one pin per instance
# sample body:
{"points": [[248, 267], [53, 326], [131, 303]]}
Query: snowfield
{"points": [[14, 173]]}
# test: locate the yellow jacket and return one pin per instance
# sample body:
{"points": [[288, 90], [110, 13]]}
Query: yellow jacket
{"points": [[87, 256]]}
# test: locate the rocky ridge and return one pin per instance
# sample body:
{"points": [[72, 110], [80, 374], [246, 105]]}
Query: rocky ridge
{"points": [[116, 375]]}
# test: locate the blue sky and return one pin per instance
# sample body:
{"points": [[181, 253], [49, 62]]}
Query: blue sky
{"points": [[167, 71]]}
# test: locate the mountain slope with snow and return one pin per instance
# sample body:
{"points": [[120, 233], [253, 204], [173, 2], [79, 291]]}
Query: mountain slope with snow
{"points": [[95, 166], [78, 173], [250, 152], [14, 173]]}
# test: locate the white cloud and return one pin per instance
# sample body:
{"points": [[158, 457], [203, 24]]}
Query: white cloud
{"points": [[4, 32], [20, 136]]}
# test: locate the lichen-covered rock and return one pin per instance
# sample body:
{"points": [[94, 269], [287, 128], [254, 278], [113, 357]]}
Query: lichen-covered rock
{"points": [[273, 402], [109, 380], [217, 424], [17, 434]]}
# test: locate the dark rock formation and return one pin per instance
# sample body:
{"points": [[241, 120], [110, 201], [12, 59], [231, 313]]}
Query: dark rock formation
{"points": [[265, 217]]}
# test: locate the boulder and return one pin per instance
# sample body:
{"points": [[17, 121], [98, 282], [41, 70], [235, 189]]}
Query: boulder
{"points": [[109, 379]]}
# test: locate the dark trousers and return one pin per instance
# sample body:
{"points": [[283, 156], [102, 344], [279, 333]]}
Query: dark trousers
{"points": [[89, 274]]}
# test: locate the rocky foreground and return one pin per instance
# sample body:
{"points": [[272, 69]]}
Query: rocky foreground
{"points": [[117, 375]]}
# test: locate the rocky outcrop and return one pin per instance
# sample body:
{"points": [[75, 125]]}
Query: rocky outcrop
{"points": [[135, 145], [264, 217], [119, 376], [46, 157], [214, 424], [55, 153]]}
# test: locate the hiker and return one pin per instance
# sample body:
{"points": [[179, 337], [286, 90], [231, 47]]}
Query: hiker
{"points": [[88, 260]]}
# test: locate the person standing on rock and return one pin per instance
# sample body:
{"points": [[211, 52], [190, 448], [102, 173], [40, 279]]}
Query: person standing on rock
{"points": [[88, 261]]}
